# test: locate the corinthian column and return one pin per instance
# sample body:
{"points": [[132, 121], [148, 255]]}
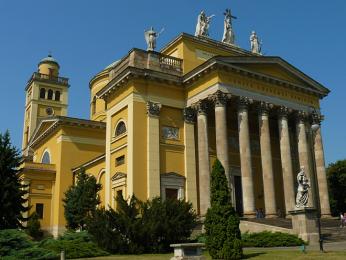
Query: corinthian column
{"points": [[286, 160], [153, 150], [321, 171], [203, 157], [220, 99], [267, 162], [245, 158], [304, 153]]}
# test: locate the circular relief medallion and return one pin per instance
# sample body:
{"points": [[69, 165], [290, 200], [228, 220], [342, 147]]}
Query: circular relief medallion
{"points": [[50, 111]]}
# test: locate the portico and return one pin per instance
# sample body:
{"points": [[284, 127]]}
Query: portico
{"points": [[279, 129]]}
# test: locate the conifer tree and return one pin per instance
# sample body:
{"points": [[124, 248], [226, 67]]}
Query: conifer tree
{"points": [[223, 237], [81, 200], [12, 191]]}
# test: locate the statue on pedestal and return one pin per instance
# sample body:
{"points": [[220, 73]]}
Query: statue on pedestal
{"points": [[228, 33], [150, 37], [202, 27], [256, 45], [303, 189]]}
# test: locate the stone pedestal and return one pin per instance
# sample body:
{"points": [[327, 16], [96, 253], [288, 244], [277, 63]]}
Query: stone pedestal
{"points": [[188, 251], [304, 222]]}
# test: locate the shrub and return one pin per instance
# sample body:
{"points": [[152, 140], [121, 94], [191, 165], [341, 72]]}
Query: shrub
{"points": [[270, 239], [16, 244], [223, 237], [142, 227], [166, 222], [33, 228], [75, 245]]}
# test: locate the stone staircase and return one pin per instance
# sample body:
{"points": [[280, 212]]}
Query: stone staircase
{"points": [[331, 231]]}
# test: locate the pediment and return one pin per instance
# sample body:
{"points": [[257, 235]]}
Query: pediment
{"points": [[276, 68], [43, 126]]}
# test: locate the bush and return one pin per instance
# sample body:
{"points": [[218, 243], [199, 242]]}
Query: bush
{"points": [[16, 244], [270, 239], [75, 245], [142, 227], [223, 237], [33, 228], [166, 222]]}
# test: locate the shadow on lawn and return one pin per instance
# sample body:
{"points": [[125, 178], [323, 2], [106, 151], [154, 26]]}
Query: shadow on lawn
{"points": [[250, 255]]}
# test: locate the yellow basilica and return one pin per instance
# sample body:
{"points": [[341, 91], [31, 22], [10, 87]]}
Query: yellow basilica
{"points": [[158, 120]]}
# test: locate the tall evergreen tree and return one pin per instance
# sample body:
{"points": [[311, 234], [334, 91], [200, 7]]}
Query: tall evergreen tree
{"points": [[223, 238], [81, 200], [12, 191]]}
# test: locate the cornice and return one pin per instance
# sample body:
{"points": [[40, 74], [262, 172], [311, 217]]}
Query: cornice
{"points": [[216, 63], [132, 72]]}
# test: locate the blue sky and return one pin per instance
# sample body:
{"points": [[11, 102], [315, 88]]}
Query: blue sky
{"points": [[85, 36]]}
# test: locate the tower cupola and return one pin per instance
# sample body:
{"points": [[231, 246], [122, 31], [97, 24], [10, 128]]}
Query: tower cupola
{"points": [[49, 66]]}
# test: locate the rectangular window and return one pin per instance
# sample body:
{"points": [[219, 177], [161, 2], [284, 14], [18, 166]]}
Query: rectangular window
{"points": [[119, 193], [39, 210], [120, 160], [171, 193]]}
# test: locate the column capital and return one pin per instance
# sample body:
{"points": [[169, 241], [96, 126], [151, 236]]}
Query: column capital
{"points": [[264, 107], [301, 116], [201, 106], [189, 115], [284, 111], [317, 118], [244, 102], [153, 109], [219, 98]]}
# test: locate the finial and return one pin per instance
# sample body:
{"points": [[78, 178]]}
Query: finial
{"points": [[49, 53]]}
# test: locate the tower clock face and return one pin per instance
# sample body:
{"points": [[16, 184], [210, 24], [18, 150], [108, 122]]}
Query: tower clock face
{"points": [[50, 111]]}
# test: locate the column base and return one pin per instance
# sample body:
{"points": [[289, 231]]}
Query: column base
{"points": [[327, 216], [249, 215], [271, 216]]}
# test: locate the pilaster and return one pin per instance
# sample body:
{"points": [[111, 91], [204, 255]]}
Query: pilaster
{"points": [[153, 149], [190, 156]]}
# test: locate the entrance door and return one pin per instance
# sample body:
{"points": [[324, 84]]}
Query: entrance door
{"points": [[238, 195]]}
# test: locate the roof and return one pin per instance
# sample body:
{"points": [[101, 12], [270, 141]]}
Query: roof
{"points": [[49, 59]]}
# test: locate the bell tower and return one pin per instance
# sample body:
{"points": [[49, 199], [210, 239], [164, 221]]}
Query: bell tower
{"points": [[46, 96]]}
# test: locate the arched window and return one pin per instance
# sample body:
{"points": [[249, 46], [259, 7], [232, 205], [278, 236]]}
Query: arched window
{"points": [[42, 93], [120, 128], [50, 94], [57, 95], [46, 158]]}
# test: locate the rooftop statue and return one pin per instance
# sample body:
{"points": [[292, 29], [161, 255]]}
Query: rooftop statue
{"points": [[202, 27], [303, 189], [228, 33], [256, 45], [150, 37]]}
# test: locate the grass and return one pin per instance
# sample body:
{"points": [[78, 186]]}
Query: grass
{"points": [[249, 254]]}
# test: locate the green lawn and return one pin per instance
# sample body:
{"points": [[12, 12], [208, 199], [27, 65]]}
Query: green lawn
{"points": [[249, 254]]}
